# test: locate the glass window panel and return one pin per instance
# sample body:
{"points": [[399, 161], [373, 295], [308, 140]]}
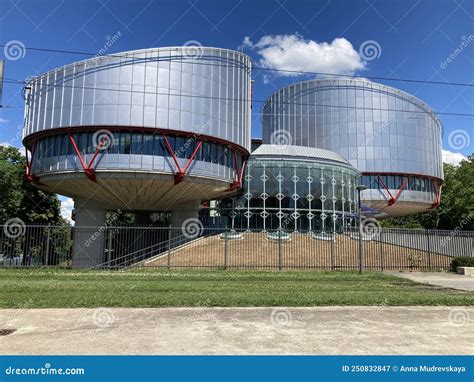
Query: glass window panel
{"points": [[136, 147], [148, 144], [125, 143], [179, 148], [206, 149], [159, 148]]}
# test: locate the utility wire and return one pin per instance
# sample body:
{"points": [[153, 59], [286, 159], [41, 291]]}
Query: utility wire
{"points": [[258, 67], [241, 100]]}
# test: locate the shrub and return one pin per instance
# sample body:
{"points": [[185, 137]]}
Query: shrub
{"points": [[462, 261], [414, 260]]}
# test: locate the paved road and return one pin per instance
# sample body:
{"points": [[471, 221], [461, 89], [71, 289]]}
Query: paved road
{"points": [[447, 280], [316, 330]]}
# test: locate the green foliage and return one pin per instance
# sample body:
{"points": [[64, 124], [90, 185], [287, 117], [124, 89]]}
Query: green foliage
{"points": [[414, 260], [456, 210], [19, 198], [462, 261], [10, 182]]}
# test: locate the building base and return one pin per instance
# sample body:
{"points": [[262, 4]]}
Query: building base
{"points": [[89, 235]]}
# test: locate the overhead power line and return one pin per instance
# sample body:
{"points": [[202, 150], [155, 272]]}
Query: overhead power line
{"points": [[258, 67], [17, 82]]}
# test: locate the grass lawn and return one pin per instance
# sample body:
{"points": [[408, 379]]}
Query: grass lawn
{"points": [[45, 288]]}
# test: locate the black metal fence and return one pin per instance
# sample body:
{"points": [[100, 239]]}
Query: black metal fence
{"points": [[212, 248]]}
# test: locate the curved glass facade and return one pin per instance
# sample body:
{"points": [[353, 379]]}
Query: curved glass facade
{"points": [[378, 129], [136, 151], [204, 90], [297, 194]]}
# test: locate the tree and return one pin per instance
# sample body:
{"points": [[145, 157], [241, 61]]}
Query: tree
{"points": [[19, 198], [10, 182]]}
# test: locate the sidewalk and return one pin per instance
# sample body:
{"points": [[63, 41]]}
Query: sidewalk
{"points": [[447, 280], [315, 330]]}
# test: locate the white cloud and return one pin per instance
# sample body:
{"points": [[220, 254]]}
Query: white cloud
{"points": [[452, 158], [3, 120], [8, 144], [67, 204], [293, 52]]}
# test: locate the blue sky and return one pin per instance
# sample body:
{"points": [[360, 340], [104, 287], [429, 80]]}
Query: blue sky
{"points": [[413, 40]]}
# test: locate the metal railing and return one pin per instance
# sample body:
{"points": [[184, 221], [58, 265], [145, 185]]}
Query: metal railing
{"points": [[216, 248]]}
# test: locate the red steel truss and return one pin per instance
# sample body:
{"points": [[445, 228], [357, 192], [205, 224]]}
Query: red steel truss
{"points": [[88, 169], [29, 163], [237, 183], [181, 173], [437, 188], [393, 199]]}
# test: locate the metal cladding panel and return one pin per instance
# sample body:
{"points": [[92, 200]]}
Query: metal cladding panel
{"points": [[193, 89], [375, 127]]}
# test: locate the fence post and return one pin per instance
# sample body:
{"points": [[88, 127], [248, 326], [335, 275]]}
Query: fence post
{"points": [[46, 259], [225, 250], [169, 248], [381, 250], [333, 236], [428, 243], [279, 249], [109, 245]]}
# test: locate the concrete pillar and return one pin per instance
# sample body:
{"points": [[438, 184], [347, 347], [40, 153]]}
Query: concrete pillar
{"points": [[89, 234], [183, 211], [141, 238], [179, 222]]}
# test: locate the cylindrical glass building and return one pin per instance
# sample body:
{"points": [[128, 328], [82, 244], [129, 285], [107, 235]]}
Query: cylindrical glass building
{"points": [[149, 130], [392, 137], [297, 188], [150, 117]]}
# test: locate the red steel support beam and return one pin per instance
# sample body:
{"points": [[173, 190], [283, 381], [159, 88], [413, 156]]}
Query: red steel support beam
{"points": [[90, 173], [179, 176], [237, 183], [382, 183], [29, 163], [437, 189], [192, 156], [181, 173], [400, 190], [170, 150], [393, 199], [99, 147]]}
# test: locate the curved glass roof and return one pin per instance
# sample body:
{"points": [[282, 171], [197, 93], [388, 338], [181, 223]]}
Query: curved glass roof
{"points": [[300, 152]]}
